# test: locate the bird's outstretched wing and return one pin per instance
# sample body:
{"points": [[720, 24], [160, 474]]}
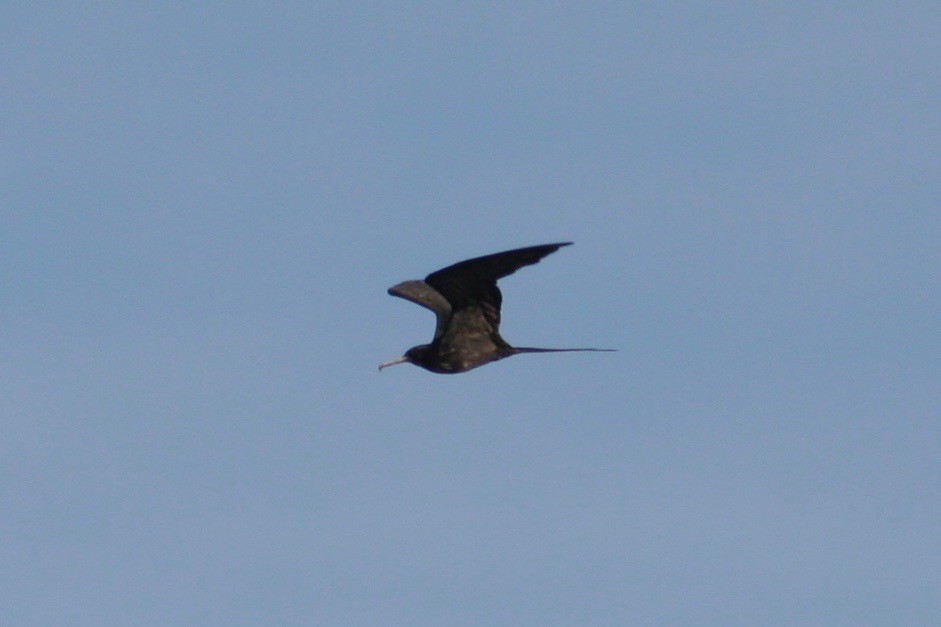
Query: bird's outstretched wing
{"points": [[423, 294], [472, 284]]}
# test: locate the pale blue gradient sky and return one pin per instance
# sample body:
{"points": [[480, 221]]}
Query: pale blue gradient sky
{"points": [[203, 206]]}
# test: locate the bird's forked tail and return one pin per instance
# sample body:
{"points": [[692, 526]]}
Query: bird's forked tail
{"points": [[528, 349]]}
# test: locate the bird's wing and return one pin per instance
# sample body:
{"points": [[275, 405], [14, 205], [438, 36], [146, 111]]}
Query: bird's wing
{"points": [[472, 284], [423, 294]]}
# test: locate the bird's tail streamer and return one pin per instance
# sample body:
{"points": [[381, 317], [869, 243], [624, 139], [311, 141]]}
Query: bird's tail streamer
{"points": [[528, 349]]}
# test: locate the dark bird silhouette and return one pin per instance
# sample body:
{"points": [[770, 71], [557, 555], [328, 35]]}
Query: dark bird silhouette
{"points": [[466, 300]]}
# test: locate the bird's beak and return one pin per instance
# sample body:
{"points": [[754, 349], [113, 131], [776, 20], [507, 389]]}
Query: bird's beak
{"points": [[394, 362]]}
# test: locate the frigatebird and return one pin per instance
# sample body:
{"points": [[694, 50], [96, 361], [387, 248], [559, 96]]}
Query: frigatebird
{"points": [[466, 300]]}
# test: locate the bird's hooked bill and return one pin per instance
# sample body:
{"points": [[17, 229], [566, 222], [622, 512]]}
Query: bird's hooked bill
{"points": [[394, 362]]}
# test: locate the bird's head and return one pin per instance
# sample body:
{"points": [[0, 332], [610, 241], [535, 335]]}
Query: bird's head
{"points": [[413, 355]]}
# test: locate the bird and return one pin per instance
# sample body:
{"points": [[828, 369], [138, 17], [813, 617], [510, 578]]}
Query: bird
{"points": [[466, 301]]}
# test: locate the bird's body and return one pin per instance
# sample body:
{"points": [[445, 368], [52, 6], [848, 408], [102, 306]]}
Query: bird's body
{"points": [[466, 301]]}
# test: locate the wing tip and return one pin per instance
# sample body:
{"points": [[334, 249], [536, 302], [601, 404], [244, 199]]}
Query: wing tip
{"points": [[556, 246]]}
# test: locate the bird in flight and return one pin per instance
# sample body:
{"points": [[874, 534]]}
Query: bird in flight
{"points": [[466, 301]]}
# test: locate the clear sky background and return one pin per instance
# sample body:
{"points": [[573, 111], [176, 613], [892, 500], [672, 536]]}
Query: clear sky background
{"points": [[204, 203]]}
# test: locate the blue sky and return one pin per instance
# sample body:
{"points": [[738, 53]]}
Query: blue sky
{"points": [[203, 206]]}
